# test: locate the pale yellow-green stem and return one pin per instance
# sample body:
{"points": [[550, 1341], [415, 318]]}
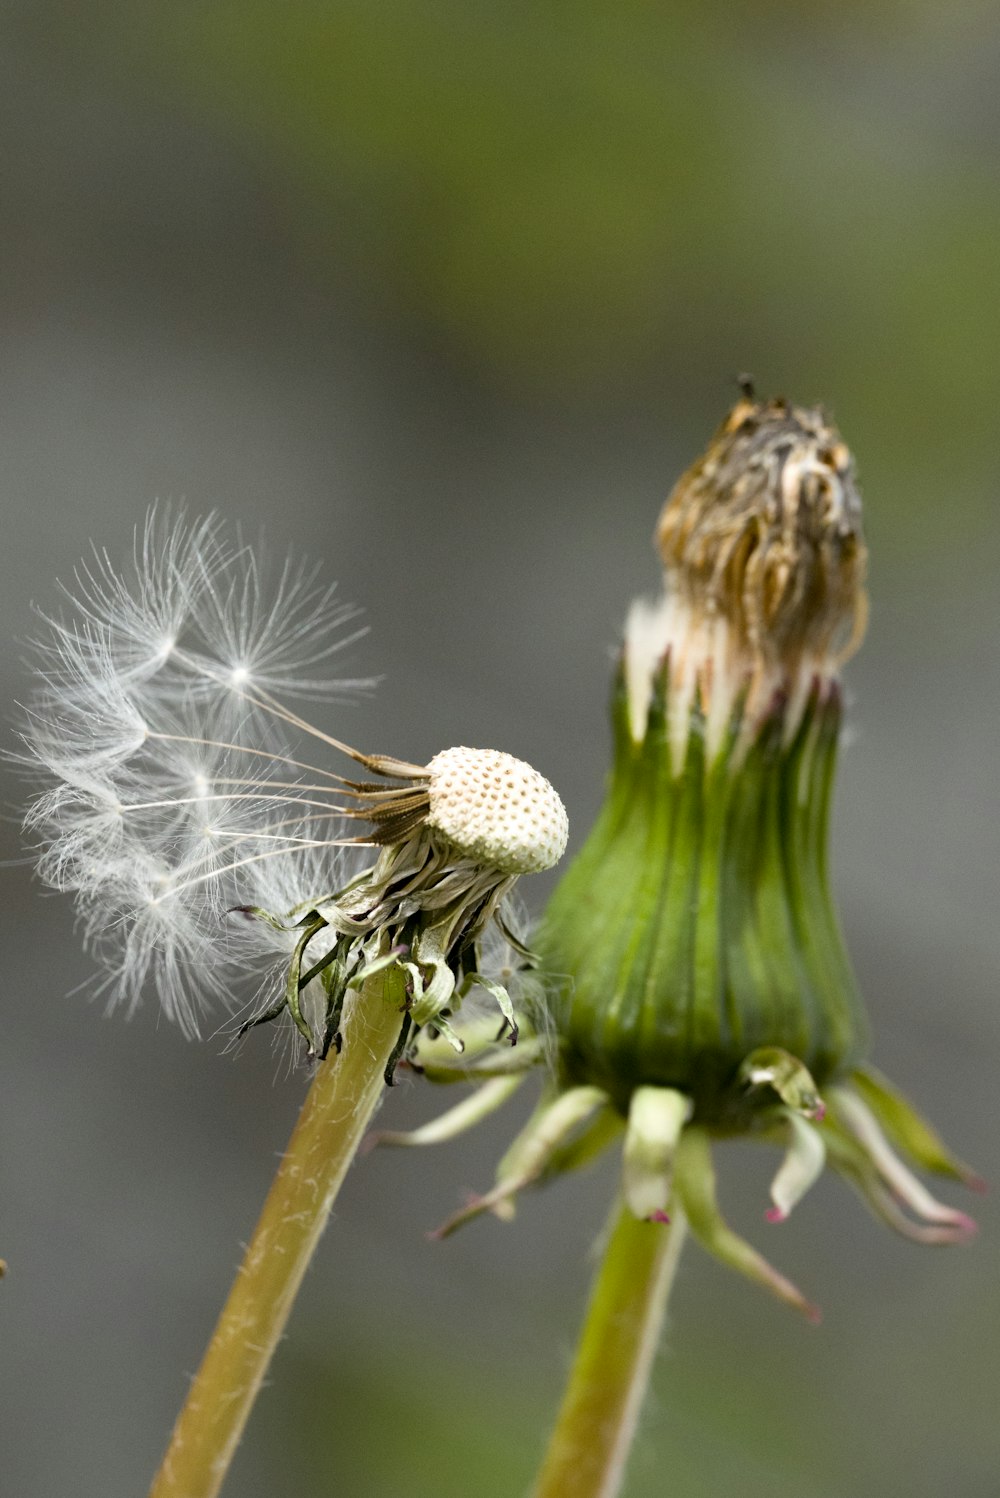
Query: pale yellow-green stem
{"points": [[600, 1410], [338, 1108]]}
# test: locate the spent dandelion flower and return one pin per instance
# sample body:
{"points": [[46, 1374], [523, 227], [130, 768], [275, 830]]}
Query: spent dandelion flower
{"points": [[182, 801], [700, 989], [210, 852]]}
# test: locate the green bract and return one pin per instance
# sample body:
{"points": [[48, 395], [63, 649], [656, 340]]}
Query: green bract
{"points": [[696, 925]]}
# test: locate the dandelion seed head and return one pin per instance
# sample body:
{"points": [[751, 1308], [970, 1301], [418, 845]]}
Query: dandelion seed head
{"points": [[177, 794], [496, 809]]}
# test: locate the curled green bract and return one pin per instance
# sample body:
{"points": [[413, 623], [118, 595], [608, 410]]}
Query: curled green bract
{"points": [[422, 909]]}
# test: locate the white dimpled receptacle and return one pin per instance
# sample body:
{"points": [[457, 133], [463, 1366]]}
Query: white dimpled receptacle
{"points": [[496, 809]]}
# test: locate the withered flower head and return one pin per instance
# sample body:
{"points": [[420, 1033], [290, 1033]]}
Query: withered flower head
{"points": [[764, 562], [764, 531]]}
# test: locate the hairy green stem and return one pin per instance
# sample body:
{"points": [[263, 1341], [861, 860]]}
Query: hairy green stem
{"points": [[338, 1108], [595, 1427]]}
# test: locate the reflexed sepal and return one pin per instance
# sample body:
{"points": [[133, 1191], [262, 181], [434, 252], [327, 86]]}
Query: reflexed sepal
{"points": [[434, 1058], [499, 995], [555, 1123], [774, 1068], [454, 1121], [656, 1117], [858, 1149], [603, 1129], [694, 1179], [799, 1170], [907, 1129]]}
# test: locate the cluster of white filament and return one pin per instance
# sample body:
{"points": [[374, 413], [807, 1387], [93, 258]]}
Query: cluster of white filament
{"points": [[173, 790]]}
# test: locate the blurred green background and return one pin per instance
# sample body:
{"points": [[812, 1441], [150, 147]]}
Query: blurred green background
{"points": [[447, 295]]}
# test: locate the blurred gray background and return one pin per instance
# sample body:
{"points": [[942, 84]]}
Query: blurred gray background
{"points": [[447, 296]]}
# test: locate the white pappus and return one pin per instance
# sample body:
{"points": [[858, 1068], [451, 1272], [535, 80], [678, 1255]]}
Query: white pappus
{"points": [[171, 794]]}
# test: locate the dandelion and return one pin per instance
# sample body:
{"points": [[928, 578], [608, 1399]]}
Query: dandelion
{"points": [[178, 802], [208, 850], [701, 989]]}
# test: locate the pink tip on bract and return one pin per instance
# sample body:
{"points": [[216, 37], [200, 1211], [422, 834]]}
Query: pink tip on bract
{"points": [[775, 1214], [814, 1315], [658, 1216], [819, 1112]]}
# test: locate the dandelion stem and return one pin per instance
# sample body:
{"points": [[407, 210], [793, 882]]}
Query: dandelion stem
{"points": [[597, 1422], [335, 1116]]}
